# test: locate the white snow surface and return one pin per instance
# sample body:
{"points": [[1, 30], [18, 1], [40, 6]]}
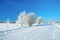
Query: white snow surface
{"points": [[37, 32]]}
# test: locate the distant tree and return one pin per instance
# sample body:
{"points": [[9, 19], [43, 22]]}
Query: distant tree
{"points": [[7, 22], [39, 20], [31, 18]]}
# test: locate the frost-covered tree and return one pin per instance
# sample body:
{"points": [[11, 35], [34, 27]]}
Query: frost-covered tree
{"points": [[31, 18], [7, 22], [39, 20], [21, 18], [25, 19]]}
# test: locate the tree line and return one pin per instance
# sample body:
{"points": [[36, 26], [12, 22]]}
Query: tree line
{"points": [[28, 18]]}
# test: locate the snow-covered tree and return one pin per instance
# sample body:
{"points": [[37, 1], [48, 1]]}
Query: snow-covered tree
{"points": [[31, 18], [39, 20], [21, 18], [22, 14], [25, 19], [7, 23]]}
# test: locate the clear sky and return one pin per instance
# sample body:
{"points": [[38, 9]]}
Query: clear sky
{"points": [[49, 10]]}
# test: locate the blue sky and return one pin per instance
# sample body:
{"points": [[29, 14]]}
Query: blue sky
{"points": [[49, 10]]}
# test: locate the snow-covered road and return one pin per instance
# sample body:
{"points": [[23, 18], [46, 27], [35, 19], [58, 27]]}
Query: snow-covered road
{"points": [[44, 32]]}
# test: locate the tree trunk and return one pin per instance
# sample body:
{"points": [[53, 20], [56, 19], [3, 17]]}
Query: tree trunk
{"points": [[30, 24]]}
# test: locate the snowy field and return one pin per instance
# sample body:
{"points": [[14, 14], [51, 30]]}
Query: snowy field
{"points": [[37, 32]]}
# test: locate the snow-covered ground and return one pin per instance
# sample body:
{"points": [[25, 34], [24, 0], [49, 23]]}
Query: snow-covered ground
{"points": [[37, 32]]}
